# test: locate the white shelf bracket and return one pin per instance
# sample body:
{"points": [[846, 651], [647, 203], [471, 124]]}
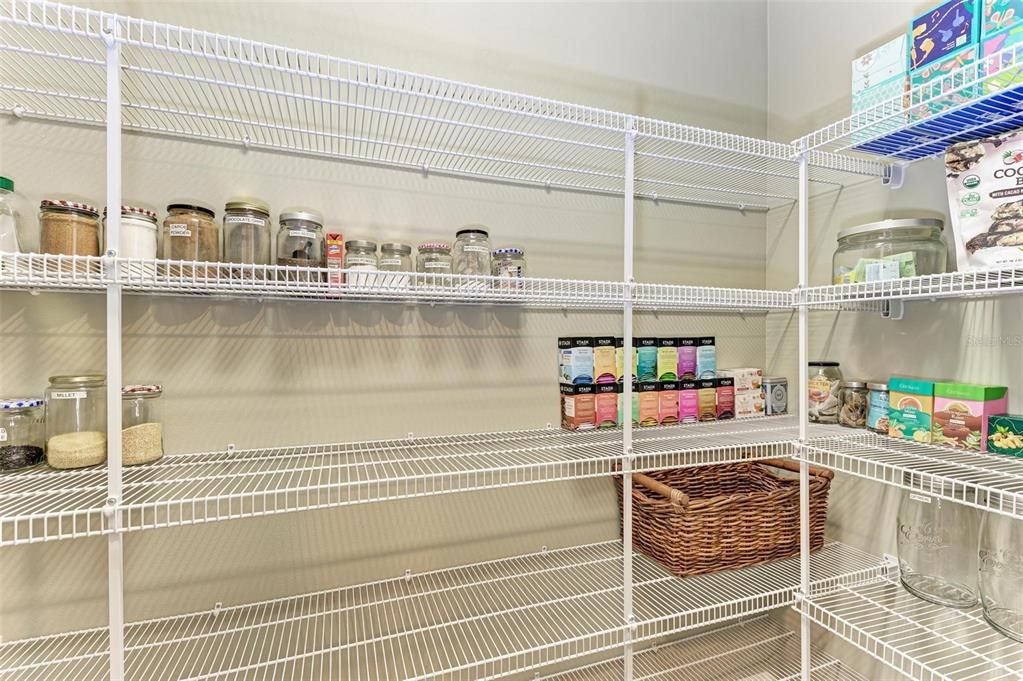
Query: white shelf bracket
{"points": [[894, 309], [894, 176]]}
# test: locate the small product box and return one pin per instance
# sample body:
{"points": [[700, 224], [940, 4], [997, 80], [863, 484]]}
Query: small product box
{"points": [[620, 359], [688, 402], [1001, 28], [706, 358], [635, 404], [606, 405], [667, 359], [961, 412], [604, 370], [687, 358], [910, 408], [578, 407], [667, 401], [745, 379], [942, 41], [576, 357], [749, 403], [707, 399], [1005, 435], [880, 76], [725, 398], [649, 403], [335, 255], [955, 86], [645, 350]]}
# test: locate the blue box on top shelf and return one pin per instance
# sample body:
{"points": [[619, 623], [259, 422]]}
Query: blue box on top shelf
{"points": [[943, 31]]}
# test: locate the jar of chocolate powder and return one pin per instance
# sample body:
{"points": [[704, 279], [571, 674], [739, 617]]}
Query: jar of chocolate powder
{"points": [[22, 432]]}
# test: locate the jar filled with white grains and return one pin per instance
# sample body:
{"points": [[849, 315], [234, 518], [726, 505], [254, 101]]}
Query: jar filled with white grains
{"points": [[138, 233], [361, 262], [395, 257], [76, 421], [471, 254]]}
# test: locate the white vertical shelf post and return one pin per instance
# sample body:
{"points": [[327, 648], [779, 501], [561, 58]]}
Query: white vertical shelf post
{"points": [[629, 279], [804, 467], [115, 548]]}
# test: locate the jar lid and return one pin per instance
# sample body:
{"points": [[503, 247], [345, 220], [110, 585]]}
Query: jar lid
{"points": [[437, 245], [307, 214], [401, 249], [509, 251], [473, 229], [135, 211], [248, 203], [21, 403], [778, 380], [59, 204], [822, 364], [78, 379], [199, 208], [854, 384], [6, 183], [360, 243], [877, 386], [142, 390], [883, 225]]}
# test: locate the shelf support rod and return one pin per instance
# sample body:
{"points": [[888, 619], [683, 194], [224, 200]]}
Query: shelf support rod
{"points": [[804, 467], [629, 279], [115, 548]]}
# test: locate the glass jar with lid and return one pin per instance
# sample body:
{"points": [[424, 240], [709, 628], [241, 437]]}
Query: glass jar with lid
{"points": [[825, 379], [10, 218], [434, 258], [22, 432], [68, 228], [395, 257], [509, 266], [247, 232], [361, 262], [190, 232], [889, 249], [877, 408], [471, 254], [1001, 573], [141, 424], [76, 420], [300, 242], [138, 232], [853, 412]]}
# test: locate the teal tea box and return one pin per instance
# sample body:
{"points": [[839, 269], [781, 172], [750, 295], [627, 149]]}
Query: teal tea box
{"points": [[910, 408], [880, 75], [706, 358], [1001, 29], [942, 42]]}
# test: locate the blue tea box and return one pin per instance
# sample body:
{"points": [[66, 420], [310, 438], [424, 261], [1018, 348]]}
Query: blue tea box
{"points": [[943, 31]]}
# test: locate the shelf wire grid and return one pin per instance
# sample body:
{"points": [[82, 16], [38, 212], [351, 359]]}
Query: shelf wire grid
{"points": [[42, 504], [991, 482], [200, 85], [480, 621], [969, 284], [923, 641], [758, 649]]}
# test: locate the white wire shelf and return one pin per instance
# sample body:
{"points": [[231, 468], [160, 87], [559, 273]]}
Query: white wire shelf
{"points": [[923, 641], [992, 482], [42, 504], [977, 100], [481, 621], [758, 649], [970, 284], [199, 85]]}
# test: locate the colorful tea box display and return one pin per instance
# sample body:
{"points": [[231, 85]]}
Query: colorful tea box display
{"points": [[604, 362], [575, 356], [706, 358], [687, 358], [725, 398], [910, 408], [880, 76], [649, 403], [707, 399], [688, 402], [1005, 435], [578, 407], [667, 403], [635, 405], [961, 412], [606, 405], [943, 40], [667, 359], [646, 358]]}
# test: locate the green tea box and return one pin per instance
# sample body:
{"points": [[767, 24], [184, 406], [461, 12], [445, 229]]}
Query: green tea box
{"points": [[910, 408]]}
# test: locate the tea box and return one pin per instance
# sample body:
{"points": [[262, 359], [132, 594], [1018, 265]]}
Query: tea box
{"points": [[687, 358], [667, 359], [649, 403], [576, 360], [706, 358], [961, 412], [775, 396], [707, 399], [1005, 435], [578, 407], [635, 404], [604, 369], [667, 403], [725, 398], [606, 405], [910, 408], [688, 402], [645, 350], [750, 403], [745, 378]]}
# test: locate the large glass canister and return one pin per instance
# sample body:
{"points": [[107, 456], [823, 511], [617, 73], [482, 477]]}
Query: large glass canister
{"points": [[471, 254], [889, 249], [68, 228], [141, 424], [300, 238], [937, 544], [1001, 573], [22, 432], [247, 231], [76, 420]]}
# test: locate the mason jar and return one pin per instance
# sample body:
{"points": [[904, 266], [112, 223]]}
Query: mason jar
{"points": [[825, 379], [68, 228], [247, 232], [853, 412], [22, 432], [361, 262], [76, 420], [141, 424], [509, 266], [395, 257], [139, 233], [11, 234], [300, 243], [1001, 573], [434, 258], [471, 255], [191, 233]]}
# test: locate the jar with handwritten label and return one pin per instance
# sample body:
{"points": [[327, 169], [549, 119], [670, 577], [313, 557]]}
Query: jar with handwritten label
{"points": [[300, 238], [247, 232], [76, 420], [471, 254]]}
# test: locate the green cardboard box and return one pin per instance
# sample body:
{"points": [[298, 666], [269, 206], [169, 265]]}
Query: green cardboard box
{"points": [[910, 408], [1005, 435]]}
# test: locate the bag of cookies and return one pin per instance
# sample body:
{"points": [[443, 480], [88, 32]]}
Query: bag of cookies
{"points": [[985, 196]]}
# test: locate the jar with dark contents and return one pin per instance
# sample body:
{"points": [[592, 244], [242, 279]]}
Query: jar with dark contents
{"points": [[853, 412], [22, 432], [300, 243]]}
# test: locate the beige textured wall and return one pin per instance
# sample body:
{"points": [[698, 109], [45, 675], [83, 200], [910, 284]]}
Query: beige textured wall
{"points": [[293, 373]]}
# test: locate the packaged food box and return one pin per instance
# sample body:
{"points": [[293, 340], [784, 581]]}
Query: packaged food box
{"points": [[606, 405], [956, 85], [645, 350], [749, 403], [687, 358], [667, 359], [578, 407], [635, 404], [961, 412], [576, 360], [992, 63], [667, 402], [880, 76], [649, 403], [910, 408], [335, 256], [942, 31], [999, 15], [1005, 434], [604, 361], [745, 378], [706, 358], [688, 402]]}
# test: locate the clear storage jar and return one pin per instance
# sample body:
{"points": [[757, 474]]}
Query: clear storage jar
{"points": [[76, 420], [396, 258], [300, 243], [471, 254], [1001, 573], [190, 232], [247, 231], [889, 249], [22, 433], [361, 262], [824, 400], [434, 258], [853, 412], [509, 266], [141, 424], [10, 218], [68, 228], [138, 233]]}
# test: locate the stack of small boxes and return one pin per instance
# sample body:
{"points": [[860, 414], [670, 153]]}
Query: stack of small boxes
{"points": [[749, 393]]}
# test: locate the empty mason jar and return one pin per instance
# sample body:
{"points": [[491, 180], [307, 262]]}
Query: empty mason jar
{"points": [[247, 232], [395, 257], [937, 541], [434, 258], [1001, 573], [471, 254], [361, 262]]}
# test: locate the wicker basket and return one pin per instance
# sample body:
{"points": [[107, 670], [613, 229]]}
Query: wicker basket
{"points": [[710, 518]]}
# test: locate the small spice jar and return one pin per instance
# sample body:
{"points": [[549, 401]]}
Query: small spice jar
{"points": [[76, 421], [138, 233], [776, 395], [22, 433], [853, 412], [395, 257], [360, 261], [247, 231], [509, 265], [877, 408], [190, 232], [471, 254], [141, 423], [434, 258], [825, 380], [68, 228]]}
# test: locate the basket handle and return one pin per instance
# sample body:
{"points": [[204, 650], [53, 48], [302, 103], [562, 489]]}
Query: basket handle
{"points": [[678, 498], [793, 466]]}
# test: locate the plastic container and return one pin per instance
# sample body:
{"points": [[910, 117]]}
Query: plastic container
{"points": [[471, 254], [22, 433], [889, 249], [397, 259], [247, 231], [68, 228], [434, 258], [1001, 573], [853, 412], [76, 420], [10, 218], [825, 379], [300, 239], [361, 262], [139, 233], [509, 266], [141, 424], [190, 232], [877, 408]]}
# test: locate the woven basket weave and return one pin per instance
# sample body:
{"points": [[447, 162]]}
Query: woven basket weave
{"points": [[710, 518]]}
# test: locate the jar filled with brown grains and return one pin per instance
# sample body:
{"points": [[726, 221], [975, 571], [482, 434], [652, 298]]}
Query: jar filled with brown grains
{"points": [[68, 228], [190, 232]]}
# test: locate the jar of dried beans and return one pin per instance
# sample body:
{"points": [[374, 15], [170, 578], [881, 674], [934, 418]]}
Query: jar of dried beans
{"points": [[76, 421], [68, 228]]}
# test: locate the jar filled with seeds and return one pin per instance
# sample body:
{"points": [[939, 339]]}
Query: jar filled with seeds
{"points": [[22, 433], [247, 232], [509, 266], [471, 255], [141, 423], [138, 233], [395, 257], [361, 262], [853, 412], [434, 258], [190, 232], [76, 420], [68, 228]]}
